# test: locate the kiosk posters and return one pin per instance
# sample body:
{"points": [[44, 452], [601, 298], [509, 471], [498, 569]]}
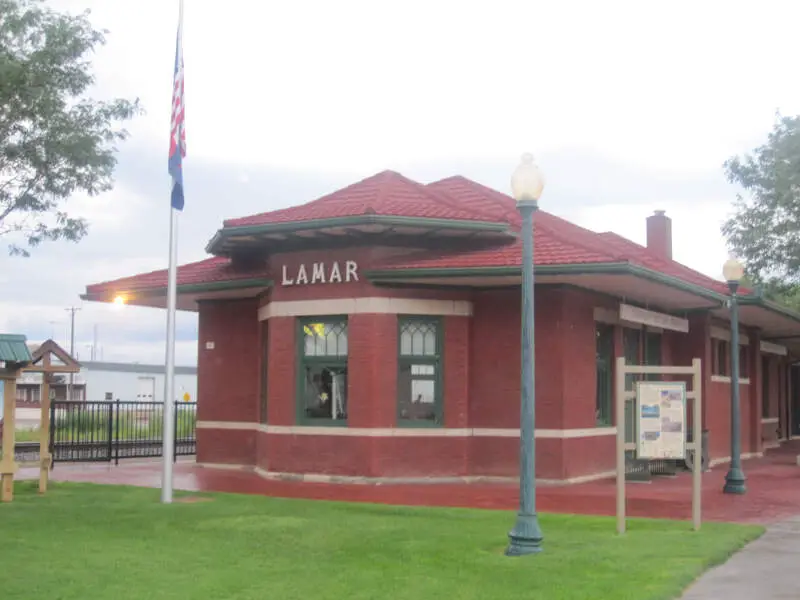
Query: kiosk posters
{"points": [[661, 420]]}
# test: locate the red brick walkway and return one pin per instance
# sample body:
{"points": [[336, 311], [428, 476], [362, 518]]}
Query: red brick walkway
{"points": [[773, 490]]}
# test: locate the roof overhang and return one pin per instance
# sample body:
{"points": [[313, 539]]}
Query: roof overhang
{"points": [[14, 354], [778, 324], [188, 296], [621, 280], [300, 234]]}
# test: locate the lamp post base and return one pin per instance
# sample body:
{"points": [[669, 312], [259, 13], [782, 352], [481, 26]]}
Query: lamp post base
{"points": [[734, 482], [526, 537]]}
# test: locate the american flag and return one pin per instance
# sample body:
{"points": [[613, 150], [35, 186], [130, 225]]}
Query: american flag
{"points": [[177, 140]]}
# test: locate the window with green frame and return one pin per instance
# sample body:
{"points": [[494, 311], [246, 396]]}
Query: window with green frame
{"points": [[720, 357], [419, 376], [604, 361], [322, 371], [632, 348], [652, 352]]}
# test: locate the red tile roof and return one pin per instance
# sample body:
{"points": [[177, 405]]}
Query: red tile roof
{"points": [[557, 241], [473, 196], [387, 194], [210, 270], [646, 258], [549, 249]]}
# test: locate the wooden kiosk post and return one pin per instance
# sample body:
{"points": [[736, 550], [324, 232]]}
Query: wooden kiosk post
{"points": [[14, 355], [48, 359], [665, 413]]}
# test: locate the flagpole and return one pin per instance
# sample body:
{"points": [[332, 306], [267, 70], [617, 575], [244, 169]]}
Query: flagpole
{"points": [[168, 428], [169, 383]]}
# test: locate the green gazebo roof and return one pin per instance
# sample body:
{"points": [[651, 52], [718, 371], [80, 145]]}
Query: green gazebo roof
{"points": [[14, 349]]}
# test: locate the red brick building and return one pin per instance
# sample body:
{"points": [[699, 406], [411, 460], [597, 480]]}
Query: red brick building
{"points": [[375, 333]]}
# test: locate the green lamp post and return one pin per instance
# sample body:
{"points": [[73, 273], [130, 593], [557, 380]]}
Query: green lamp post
{"points": [[526, 536], [733, 271]]}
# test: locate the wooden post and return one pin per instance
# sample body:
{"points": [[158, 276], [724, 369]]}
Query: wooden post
{"points": [[697, 444], [8, 466], [44, 429]]}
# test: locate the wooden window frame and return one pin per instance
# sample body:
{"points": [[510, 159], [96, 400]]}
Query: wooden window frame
{"points": [[321, 361], [437, 361], [720, 357], [604, 407]]}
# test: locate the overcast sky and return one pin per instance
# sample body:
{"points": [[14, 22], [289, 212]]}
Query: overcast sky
{"points": [[627, 108]]}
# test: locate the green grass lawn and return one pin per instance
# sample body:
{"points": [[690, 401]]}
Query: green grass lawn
{"points": [[26, 435], [101, 542]]}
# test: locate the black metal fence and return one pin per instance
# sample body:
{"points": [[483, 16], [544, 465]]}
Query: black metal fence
{"points": [[115, 430]]}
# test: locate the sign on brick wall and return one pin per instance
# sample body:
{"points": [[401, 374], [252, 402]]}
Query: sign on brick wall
{"points": [[320, 272]]}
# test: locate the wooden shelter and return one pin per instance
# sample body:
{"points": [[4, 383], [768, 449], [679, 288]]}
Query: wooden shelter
{"points": [[48, 359], [14, 357]]}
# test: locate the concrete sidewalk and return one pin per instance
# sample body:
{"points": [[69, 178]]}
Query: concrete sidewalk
{"points": [[767, 569]]}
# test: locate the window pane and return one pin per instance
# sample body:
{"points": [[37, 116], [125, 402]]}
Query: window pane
{"points": [[422, 391], [325, 392], [429, 370], [652, 353], [405, 342], [631, 339], [417, 395], [325, 338], [418, 337], [604, 359]]}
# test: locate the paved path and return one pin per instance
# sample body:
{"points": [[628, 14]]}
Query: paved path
{"points": [[773, 493], [767, 569]]}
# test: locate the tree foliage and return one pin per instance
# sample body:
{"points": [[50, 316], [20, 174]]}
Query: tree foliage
{"points": [[764, 230], [54, 139]]}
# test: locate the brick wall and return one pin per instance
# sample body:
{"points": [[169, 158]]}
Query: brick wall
{"points": [[481, 387], [227, 375], [281, 372], [565, 382]]}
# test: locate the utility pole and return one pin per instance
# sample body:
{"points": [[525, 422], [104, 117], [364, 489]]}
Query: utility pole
{"points": [[72, 310]]}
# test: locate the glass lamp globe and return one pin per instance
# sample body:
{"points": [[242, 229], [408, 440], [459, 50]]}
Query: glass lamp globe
{"points": [[732, 270], [527, 182]]}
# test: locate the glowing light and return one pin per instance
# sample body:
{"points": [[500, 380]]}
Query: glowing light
{"points": [[314, 329], [119, 300]]}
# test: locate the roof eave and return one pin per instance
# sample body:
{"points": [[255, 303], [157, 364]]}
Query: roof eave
{"points": [[608, 268], [195, 289], [214, 245], [774, 307]]}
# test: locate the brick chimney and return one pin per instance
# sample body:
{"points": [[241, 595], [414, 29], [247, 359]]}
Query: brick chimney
{"points": [[659, 234]]}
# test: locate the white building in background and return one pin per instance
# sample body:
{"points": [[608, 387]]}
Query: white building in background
{"points": [[98, 380], [135, 382]]}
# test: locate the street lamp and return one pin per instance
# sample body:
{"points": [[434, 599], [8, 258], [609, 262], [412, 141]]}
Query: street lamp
{"points": [[526, 536], [733, 271]]}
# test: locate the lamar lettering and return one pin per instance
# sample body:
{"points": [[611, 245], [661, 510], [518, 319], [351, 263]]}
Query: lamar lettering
{"points": [[320, 273]]}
